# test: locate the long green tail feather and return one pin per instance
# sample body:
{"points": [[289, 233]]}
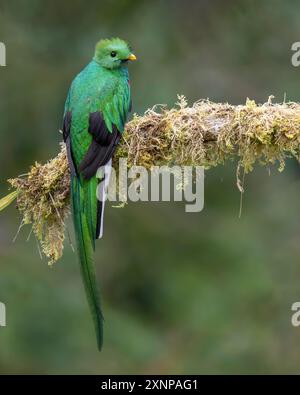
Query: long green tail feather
{"points": [[84, 202]]}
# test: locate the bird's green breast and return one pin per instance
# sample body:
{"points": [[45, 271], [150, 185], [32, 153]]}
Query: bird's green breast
{"points": [[97, 89]]}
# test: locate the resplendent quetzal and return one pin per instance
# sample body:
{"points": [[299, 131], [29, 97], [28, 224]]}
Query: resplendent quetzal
{"points": [[95, 113]]}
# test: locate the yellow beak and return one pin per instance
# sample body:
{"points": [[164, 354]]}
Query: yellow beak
{"points": [[131, 57]]}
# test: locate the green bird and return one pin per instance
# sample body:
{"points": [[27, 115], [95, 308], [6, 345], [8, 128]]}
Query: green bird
{"points": [[95, 113]]}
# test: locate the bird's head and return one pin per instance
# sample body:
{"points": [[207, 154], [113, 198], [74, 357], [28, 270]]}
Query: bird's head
{"points": [[113, 53]]}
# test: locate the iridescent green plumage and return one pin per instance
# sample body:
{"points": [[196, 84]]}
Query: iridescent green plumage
{"points": [[95, 114]]}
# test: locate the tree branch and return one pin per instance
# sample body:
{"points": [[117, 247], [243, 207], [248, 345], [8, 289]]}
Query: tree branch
{"points": [[206, 134]]}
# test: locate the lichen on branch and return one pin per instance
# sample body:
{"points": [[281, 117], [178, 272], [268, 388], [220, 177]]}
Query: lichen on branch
{"points": [[43, 201], [208, 134], [205, 134]]}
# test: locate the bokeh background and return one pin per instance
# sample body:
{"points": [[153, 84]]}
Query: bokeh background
{"points": [[182, 293]]}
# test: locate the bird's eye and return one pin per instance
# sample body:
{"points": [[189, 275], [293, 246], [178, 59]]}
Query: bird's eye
{"points": [[113, 54]]}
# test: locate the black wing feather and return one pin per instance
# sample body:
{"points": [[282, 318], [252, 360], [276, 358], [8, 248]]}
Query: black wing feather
{"points": [[102, 147]]}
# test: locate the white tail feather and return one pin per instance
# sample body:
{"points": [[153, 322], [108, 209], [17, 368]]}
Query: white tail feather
{"points": [[102, 191]]}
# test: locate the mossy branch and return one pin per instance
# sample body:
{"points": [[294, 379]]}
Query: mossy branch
{"points": [[205, 134]]}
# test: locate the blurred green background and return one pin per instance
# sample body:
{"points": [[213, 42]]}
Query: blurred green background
{"points": [[183, 293]]}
